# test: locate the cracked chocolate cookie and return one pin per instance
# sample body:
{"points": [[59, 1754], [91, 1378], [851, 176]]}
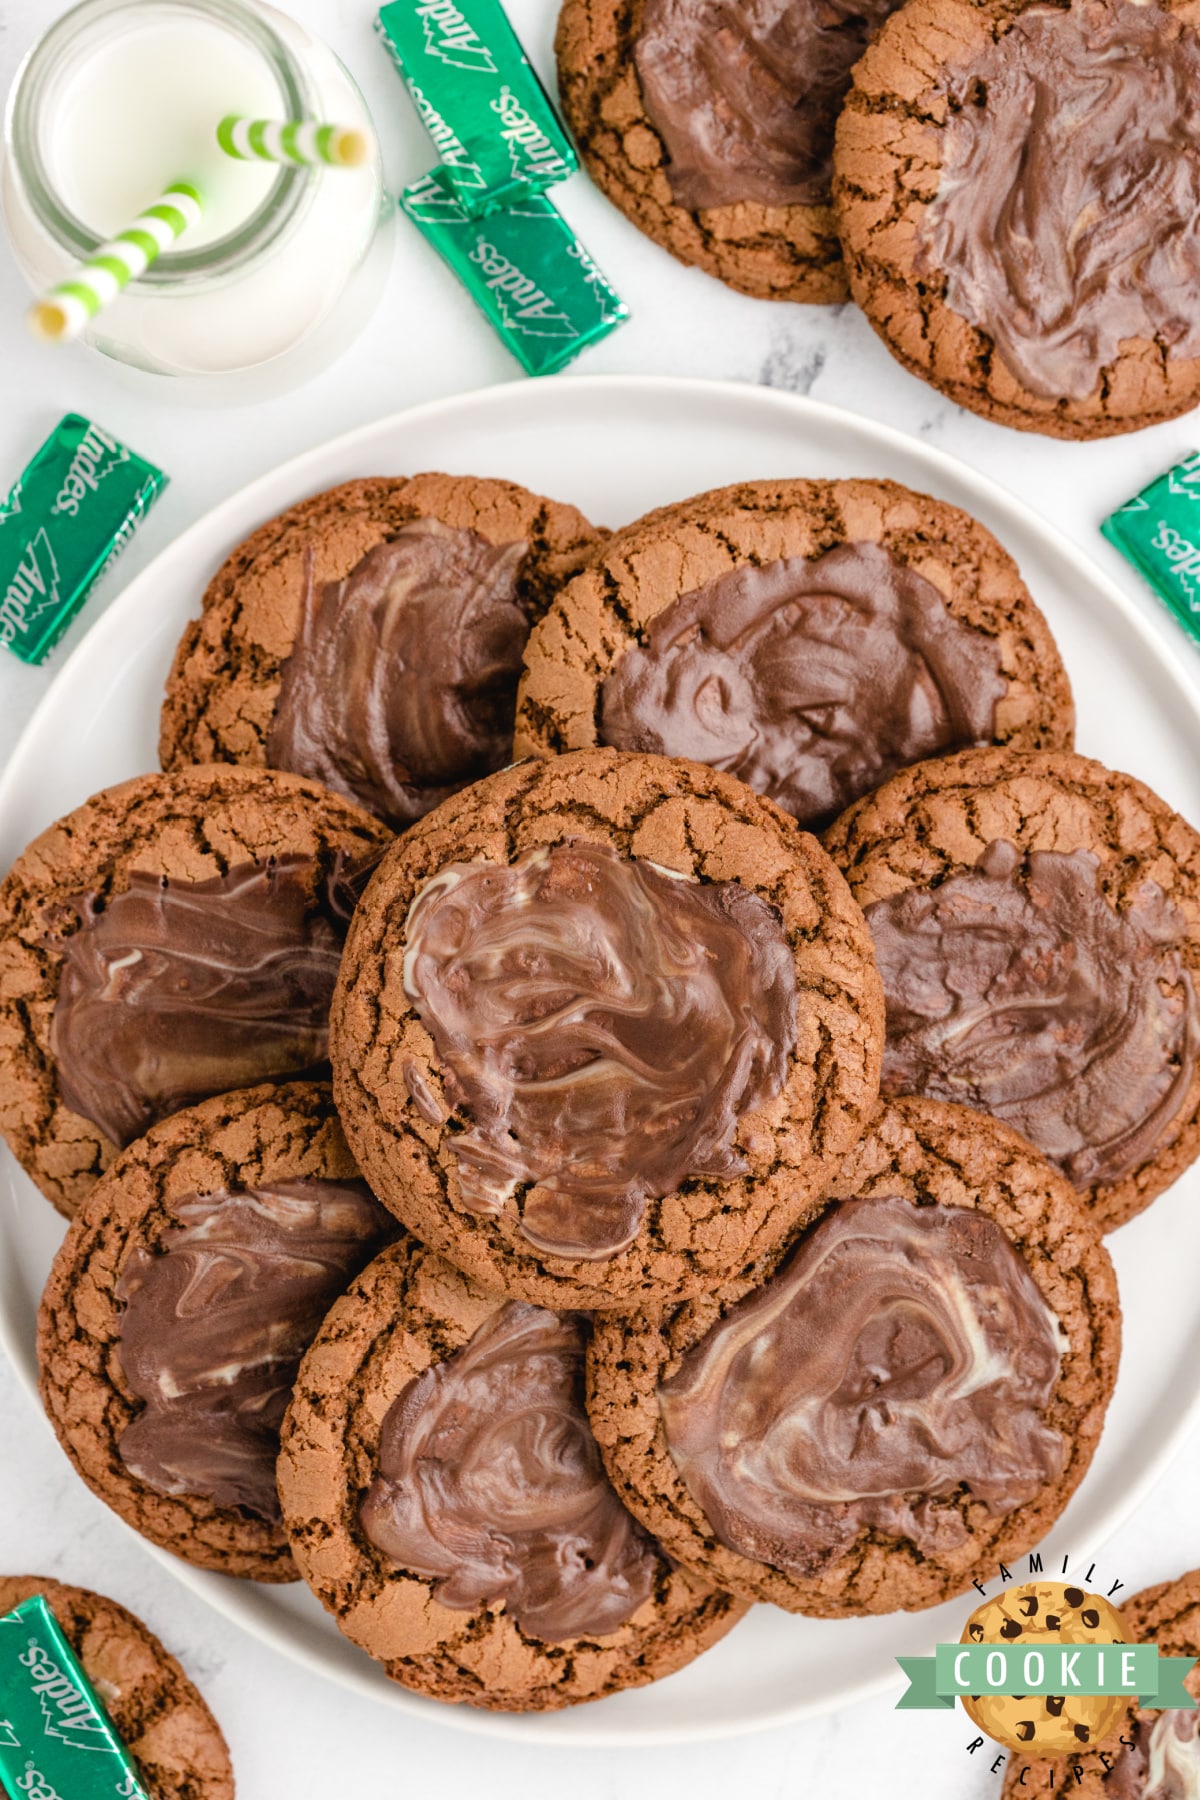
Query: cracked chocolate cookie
{"points": [[880, 1410], [158, 1714], [1018, 196], [371, 638], [446, 1502], [189, 1285], [711, 126], [810, 637], [1036, 921], [171, 938], [605, 1025], [1152, 1755]]}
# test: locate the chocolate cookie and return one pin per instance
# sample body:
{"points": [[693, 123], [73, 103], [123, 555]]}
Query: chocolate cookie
{"points": [[1036, 922], [1152, 1755], [810, 637], [157, 1713], [189, 1285], [605, 1025], [879, 1411], [171, 938], [371, 638], [711, 126], [1018, 195], [447, 1504]]}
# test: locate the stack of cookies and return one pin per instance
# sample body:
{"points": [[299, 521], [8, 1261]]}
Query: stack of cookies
{"points": [[1010, 189], [551, 1204]]}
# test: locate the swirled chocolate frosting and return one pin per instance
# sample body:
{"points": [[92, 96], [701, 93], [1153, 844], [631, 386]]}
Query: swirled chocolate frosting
{"points": [[1164, 1762], [490, 1482], [900, 1360], [601, 1027], [745, 93], [1067, 219], [171, 990], [811, 680], [215, 1324], [401, 686], [1018, 989]]}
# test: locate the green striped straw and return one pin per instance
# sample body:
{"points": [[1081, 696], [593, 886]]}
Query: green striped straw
{"points": [[301, 141], [66, 310]]}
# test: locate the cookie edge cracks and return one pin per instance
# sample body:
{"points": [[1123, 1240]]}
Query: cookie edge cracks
{"points": [[407, 1160], [957, 1158]]}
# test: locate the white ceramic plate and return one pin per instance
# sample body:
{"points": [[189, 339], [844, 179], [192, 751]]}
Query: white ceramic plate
{"points": [[617, 446]]}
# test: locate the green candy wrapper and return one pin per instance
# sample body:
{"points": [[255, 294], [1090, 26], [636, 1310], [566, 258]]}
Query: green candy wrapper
{"points": [[524, 268], [488, 114], [69, 516], [56, 1740], [1158, 531]]}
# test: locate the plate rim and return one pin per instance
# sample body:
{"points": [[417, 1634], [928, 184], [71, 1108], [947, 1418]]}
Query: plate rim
{"points": [[1154, 635], [637, 390]]}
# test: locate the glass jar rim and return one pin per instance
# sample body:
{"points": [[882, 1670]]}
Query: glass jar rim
{"points": [[255, 237]]}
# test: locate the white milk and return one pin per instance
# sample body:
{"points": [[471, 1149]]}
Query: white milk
{"points": [[120, 98], [142, 111]]}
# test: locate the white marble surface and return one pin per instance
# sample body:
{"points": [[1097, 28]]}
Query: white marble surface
{"points": [[291, 1734]]}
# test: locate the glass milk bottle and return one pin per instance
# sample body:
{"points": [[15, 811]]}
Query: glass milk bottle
{"points": [[122, 97]]}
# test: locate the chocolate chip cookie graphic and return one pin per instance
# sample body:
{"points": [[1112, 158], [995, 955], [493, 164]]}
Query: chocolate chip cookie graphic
{"points": [[173, 937], [605, 1025], [880, 1411], [186, 1290], [158, 1714], [1018, 195], [1042, 1615], [711, 127], [809, 637], [1036, 922], [447, 1504], [1146, 1755], [371, 638]]}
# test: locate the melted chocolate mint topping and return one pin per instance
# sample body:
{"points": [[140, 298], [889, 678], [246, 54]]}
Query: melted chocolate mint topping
{"points": [[1067, 219], [1017, 989], [175, 990], [216, 1322], [902, 1355], [1164, 1762], [811, 680], [490, 1482], [602, 1026], [402, 683], [745, 93]]}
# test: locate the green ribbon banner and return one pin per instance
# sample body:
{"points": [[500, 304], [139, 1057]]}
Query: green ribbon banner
{"points": [[1047, 1668]]}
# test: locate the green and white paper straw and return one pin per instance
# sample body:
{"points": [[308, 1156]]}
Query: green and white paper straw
{"points": [[302, 141], [66, 309]]}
